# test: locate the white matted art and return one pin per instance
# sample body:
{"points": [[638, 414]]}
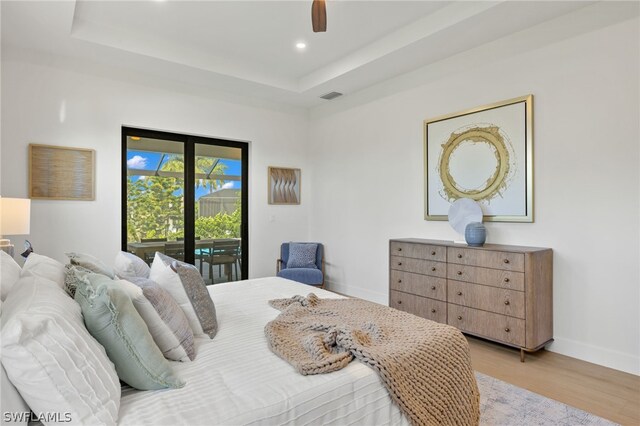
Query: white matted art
{"points": [[485, 154]]}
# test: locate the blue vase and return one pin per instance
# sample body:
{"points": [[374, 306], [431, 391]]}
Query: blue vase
{"points": [[475, 234]]}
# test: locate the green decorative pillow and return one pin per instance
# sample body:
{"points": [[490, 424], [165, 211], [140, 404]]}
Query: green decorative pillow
{"points": [[112, 320]]}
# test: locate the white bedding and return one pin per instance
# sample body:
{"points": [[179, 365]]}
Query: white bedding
{"points": [[236, 379]]}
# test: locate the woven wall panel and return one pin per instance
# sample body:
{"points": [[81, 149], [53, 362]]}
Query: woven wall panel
{"points": [[61, 173]]}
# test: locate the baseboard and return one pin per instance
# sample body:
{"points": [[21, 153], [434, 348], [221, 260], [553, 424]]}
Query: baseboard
{"points": [[362, 293], [596, 354]]}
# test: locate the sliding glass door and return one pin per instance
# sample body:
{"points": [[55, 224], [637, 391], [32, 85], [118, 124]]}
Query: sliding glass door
{"points": [[186, 197]]}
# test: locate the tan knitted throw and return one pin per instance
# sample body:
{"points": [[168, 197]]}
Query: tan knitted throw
{"points": [[424, 365]]}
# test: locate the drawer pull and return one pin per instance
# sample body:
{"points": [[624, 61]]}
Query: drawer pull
{"points": [[506, 302], [459, 272], [399, 281], [459, 256], [433, 287], [506, 280], [459, 317], [459, 293], [399, 248], [399, 302], [507, 329], [433, 253], [433, 269], [433, 311], [506, 261], [399, 263]]}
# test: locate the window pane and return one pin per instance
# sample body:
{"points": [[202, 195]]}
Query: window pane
{"points": [[155, 197], [218, 212]]}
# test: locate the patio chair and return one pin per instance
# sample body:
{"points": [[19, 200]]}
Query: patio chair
{"points": [[175, 249], [227, 253], [148, 257], [312, 273]]}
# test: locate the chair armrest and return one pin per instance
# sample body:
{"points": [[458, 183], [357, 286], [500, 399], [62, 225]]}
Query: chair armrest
{"points": [[279, 264]]}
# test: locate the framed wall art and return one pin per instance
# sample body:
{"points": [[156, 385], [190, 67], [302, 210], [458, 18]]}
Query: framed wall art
{"points": [[485, 154], [284, 185], [61, 173]]}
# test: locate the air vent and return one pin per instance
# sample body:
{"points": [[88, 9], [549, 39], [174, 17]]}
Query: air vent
{"points": [[331, 95]]}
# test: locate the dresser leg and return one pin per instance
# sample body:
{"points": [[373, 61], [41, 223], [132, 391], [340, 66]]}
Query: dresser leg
{"points": [[521, 355]]}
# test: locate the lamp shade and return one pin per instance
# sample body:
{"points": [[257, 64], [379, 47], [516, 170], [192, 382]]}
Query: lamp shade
{"points": [[15, 216]]}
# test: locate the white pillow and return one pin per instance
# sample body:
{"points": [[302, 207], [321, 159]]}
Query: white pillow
{"points": [[91, 263], [41, 266], [162, 334], [14, 410], [127, 265], [51, 358], [9, 273], [185, 284]]}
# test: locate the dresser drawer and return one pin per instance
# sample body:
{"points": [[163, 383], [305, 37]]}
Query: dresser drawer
{"points": [[434, 310], [486, 258], [486, 324], [492, 299], [422, 285], [494, 277], [418, 266], [419, 251]]}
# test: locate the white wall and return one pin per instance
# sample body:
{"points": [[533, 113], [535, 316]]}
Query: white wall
{"points": [[368, 179], [363, 168], [95, 109]]}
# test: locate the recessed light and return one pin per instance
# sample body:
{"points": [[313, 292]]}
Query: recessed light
{"points": [[301, 45]]}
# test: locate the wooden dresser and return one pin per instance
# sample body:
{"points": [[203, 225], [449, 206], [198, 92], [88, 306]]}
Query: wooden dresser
{"points": [[498, 292]]}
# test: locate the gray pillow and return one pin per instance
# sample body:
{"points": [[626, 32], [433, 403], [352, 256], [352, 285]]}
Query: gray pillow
{"points": [[302, 255], [90, 262], [185, 284], [72, 275], [112, 320], [174, 338]]}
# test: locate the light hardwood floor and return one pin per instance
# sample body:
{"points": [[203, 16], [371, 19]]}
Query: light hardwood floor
{"points": [[602, 391]]}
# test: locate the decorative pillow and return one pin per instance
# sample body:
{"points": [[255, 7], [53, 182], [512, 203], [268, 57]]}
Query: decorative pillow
{"points": [[167, 323], [112, 319], [41, 266], [185, 284], [91, 263], [127, 265], [72, 276], [9, 273], [52, 359], [302, 255]]}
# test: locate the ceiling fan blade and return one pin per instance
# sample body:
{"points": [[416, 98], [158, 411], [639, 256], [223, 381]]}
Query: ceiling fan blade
{"points": [[319, 16]]}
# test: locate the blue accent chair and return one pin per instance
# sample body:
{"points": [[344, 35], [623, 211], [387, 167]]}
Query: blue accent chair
{"points": [[310, 276]]}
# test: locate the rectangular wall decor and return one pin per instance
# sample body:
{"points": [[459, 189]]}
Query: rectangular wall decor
{"points": [[284, 185], [61, 173], [485, 154]]}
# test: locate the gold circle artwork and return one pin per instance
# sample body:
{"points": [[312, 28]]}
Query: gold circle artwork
{"points": [[498, 179]]}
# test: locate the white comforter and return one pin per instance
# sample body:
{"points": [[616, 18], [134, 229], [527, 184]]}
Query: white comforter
{"points": [[236, 379]]}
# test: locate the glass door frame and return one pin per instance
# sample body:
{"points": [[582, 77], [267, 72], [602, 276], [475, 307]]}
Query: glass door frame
{"points": [[190, 142]]}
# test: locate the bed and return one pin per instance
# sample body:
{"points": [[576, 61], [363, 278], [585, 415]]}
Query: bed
{"points": [[236, 379], [67, 367]]}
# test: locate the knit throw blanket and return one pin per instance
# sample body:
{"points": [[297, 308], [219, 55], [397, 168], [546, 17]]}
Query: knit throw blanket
{"points": [[424, 365]]}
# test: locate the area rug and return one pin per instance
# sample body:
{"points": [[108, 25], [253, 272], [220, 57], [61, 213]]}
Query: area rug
{"points": [[502, 404]]}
